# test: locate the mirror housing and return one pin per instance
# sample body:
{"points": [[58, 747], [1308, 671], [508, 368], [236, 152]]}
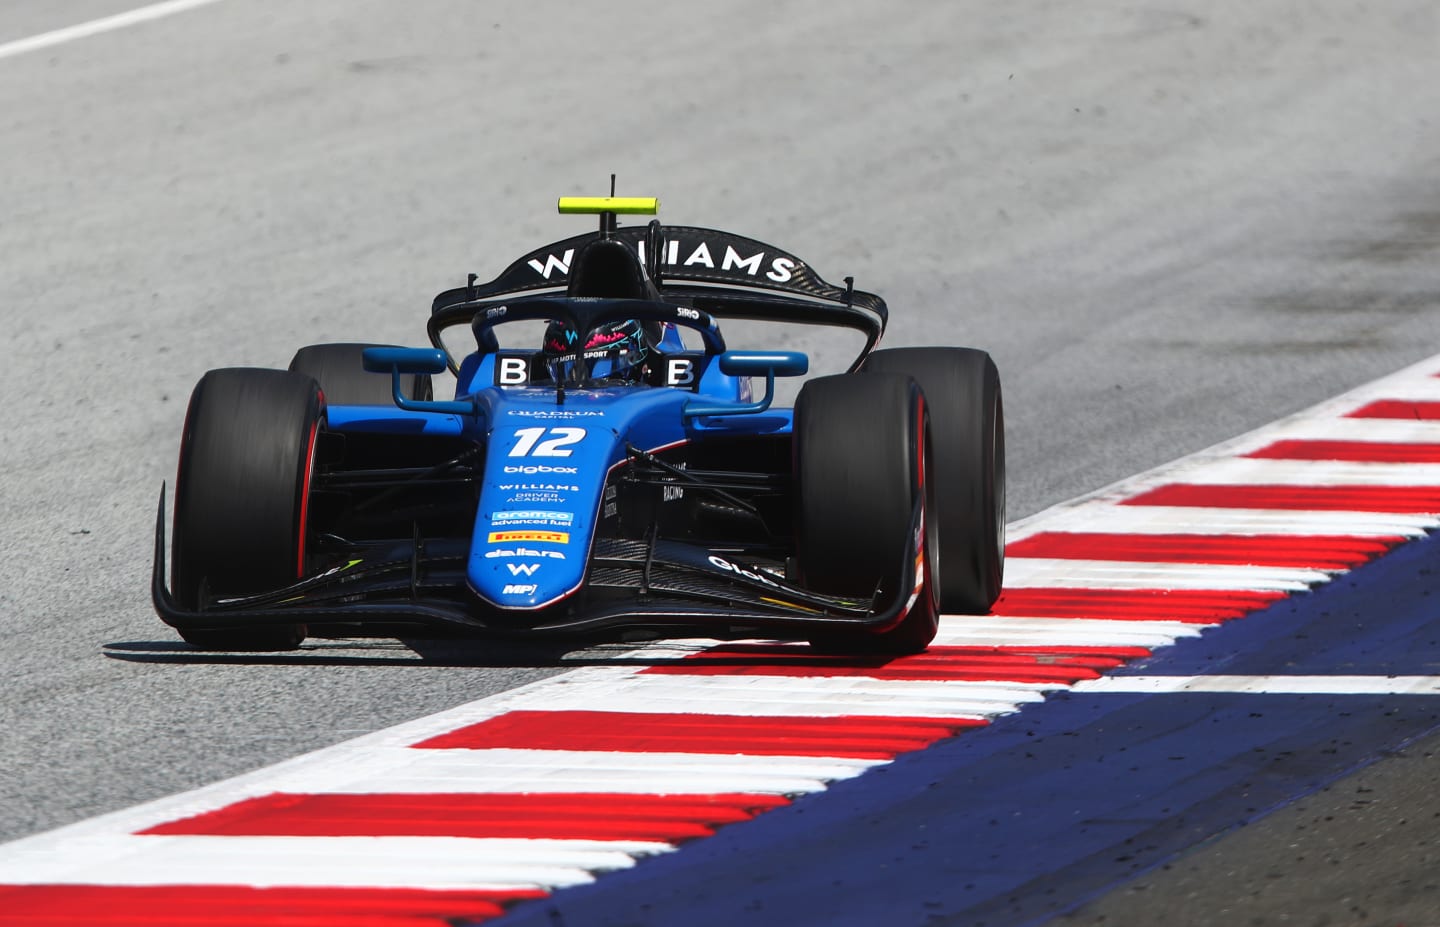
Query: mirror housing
{"points": [[769, 364], [763, 363], [398, 361], [404, 360]]}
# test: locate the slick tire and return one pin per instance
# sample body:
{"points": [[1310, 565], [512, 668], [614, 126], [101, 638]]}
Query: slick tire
{"points": [[241, 496], [340, 371], [967, 420], [862, 459]]}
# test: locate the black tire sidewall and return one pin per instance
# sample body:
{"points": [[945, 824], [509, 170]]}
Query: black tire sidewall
{"points": [[962, 388], [241, 495], [860, 460], [340, 371]]}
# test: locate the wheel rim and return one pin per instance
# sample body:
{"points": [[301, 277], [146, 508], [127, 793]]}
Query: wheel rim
{"points": [[303, 520]]}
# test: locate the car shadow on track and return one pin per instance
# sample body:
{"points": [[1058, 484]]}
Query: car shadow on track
{"points": [[419, 652], [352, 652]]}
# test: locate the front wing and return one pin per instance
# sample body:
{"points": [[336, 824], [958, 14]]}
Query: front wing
{"points": [[665, 588]]}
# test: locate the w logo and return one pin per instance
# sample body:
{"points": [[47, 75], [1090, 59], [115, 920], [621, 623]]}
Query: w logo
{"points": [[552, 264], [527, 568]]}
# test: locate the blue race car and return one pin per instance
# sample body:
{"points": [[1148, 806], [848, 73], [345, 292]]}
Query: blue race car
{"points": [[618, 481]]}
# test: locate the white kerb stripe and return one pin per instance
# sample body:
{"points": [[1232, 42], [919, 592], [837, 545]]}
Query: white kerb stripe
{"points": [[372, 862], [1267, 685], [1377, 430], [1245, 471], [1023, 572], [1402, 389], [1011, 631], [411, 771], [1180, 519], [785, 696], [97, 26]]}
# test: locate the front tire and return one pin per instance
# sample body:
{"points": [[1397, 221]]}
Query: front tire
{"points": [[341, 373], [862, 455], [241, 496], [962, 387]]}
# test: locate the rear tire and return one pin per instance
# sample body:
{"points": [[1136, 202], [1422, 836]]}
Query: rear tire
{"points": [[962, 388], [861, 455], [340, 371], [241, 496]]}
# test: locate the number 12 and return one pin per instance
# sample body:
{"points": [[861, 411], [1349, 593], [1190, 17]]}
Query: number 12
{"points": [[530, 445]]}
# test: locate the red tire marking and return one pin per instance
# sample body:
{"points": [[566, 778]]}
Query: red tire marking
{"points": [[559, 816], [1397, 499], [305, 495], [1279, 550], [853, 737]]}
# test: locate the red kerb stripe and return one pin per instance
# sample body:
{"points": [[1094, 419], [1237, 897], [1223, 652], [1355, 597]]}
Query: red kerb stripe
{"points": [[245, 906], [560, 816], [1200, 606], [857, 737], [1399, 408], [1312, 551], [939, 663], [1398, 499], [1358, 451]]}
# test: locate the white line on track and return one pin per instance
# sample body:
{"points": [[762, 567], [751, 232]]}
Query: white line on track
{"points": [[1267, 685], [97, 26]]}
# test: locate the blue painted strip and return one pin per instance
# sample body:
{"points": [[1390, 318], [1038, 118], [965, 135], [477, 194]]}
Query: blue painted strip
{"points": [[1049, 807]]}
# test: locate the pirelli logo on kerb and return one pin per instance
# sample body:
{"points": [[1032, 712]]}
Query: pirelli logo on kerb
{"points": [[544, 537]]}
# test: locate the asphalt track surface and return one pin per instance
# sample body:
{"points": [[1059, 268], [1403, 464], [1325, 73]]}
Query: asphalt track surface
{"points": [[1169, 227]]}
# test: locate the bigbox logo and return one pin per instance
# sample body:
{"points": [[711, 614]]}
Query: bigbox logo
{"points": [[535, 469]]}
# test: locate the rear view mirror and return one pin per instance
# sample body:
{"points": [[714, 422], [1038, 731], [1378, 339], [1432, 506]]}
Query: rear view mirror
{"points": [[404, 360], [767, 364], [398, 361], [761, 363]]}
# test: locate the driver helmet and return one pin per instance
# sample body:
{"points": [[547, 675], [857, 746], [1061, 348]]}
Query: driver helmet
{"points": [[614, 350]]}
